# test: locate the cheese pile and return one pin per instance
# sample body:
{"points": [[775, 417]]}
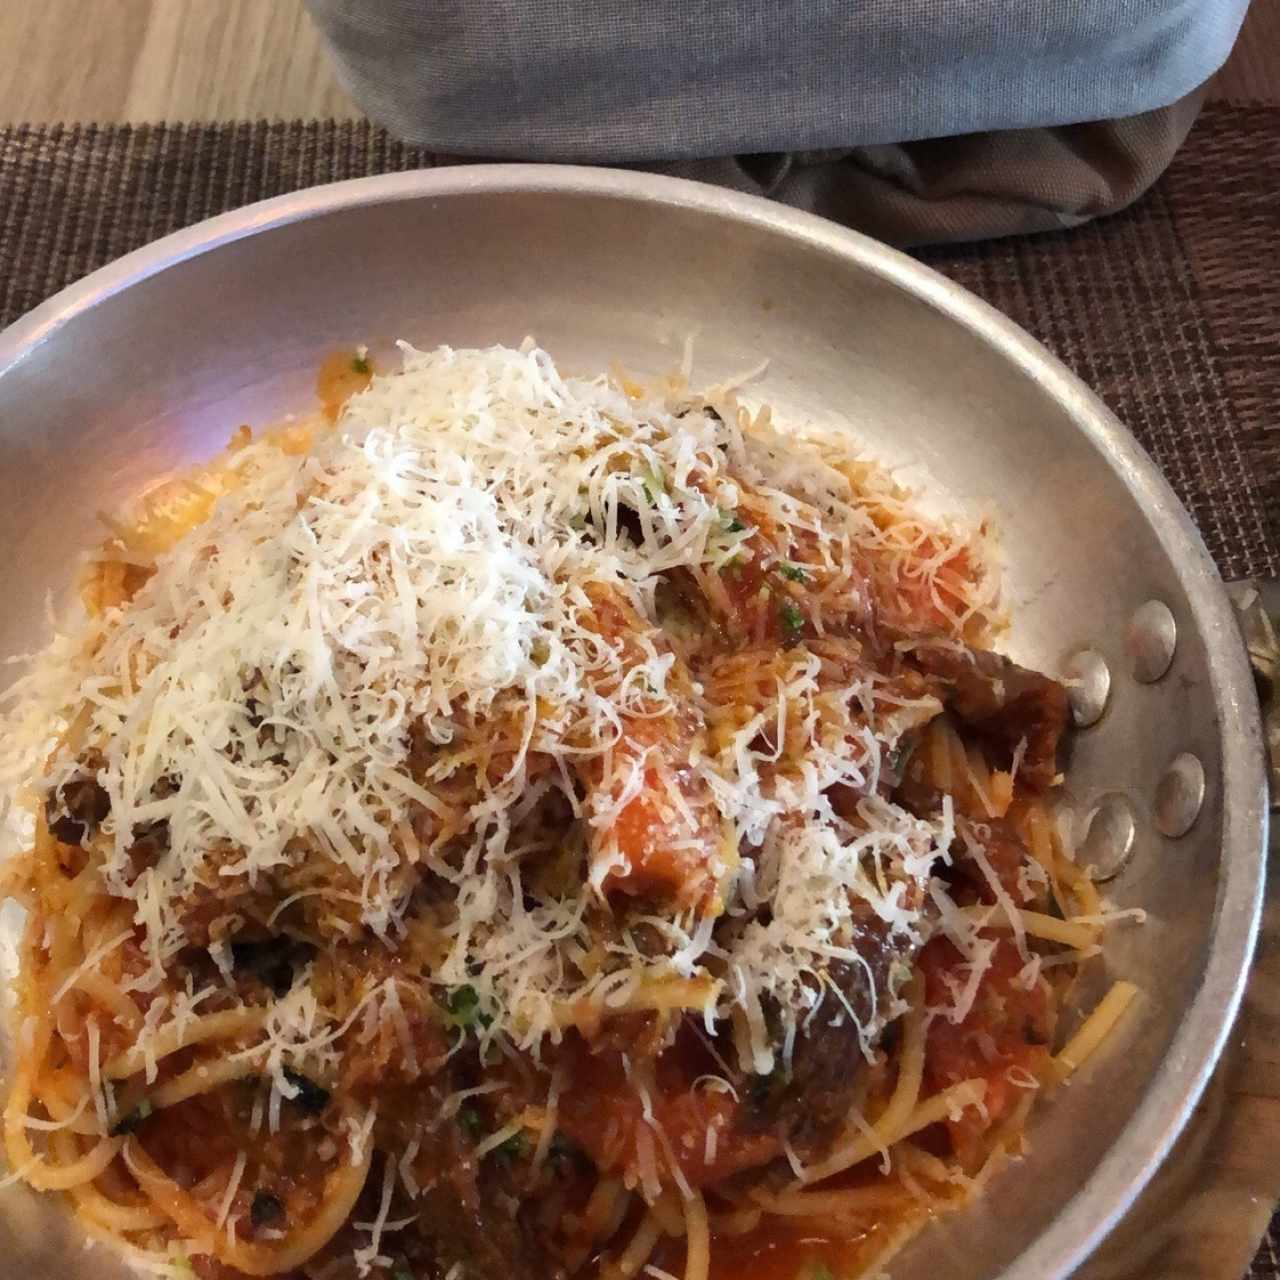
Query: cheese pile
{"points": [[420, 579]]}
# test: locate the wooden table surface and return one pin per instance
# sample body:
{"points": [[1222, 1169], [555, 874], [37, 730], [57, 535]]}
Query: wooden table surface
{"points": [[152, 60], [210, 60]]}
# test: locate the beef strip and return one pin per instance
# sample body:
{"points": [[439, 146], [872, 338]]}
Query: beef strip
{"points": [[810, 1105], [1003, 704], [470, 1218]]}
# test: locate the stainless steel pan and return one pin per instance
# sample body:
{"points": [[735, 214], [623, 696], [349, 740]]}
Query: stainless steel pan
{"points": [[149, 364]]}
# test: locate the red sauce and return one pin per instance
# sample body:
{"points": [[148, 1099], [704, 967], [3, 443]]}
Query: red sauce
{"points": [[341, 375], [602, 1111], [1005, 1031], [778, 1250]]}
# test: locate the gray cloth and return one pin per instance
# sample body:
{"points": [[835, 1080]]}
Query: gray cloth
{"points": [[664, 80], [974, 187]]}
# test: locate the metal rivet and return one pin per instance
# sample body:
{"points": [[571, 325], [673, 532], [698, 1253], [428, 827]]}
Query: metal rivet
{"points": [[1152, 638], [1108, 836], [1179, 796], [1089, 686]]}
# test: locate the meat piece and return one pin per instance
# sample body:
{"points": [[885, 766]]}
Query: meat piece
{"points": [[78, 811], [472, 1211], [810, 1105], [604, 1111], [464, 1220], [1001, 845], [150, 844], [1003, 704], [806, 1106], [998, 839]]}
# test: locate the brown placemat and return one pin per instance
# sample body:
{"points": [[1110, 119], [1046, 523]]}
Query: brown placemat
{"points": [[1168, 310]]}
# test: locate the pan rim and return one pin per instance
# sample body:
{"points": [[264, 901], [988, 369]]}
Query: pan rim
{"points": [[1201, 1035]]}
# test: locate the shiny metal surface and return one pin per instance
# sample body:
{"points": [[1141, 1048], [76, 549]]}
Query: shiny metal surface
{"points": [[1109, 832], [1088, 680], [1151, 640], [1179, 796], [1258, 608], [151, 363]]}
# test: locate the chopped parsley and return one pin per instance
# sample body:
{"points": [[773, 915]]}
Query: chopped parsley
{"points": [[360, 364], [793, 572], [516, 1147], [792, 619], [129, 1122], [470, 1122], [653, 484], [462, 1009], [820, 1271]]}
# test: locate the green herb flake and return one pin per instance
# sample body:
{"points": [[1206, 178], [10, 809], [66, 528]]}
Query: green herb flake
{"points": [[402, 1273], [819, 1271], [360, 364], [516, 1147], [793, 572], [653, 483], [462, 1008], [731, 522], [792, 619], [470, 1122], [132, 1119]]}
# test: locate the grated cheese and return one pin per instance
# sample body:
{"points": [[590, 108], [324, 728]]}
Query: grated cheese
{"points": [[229, 1195], [302, 688]]}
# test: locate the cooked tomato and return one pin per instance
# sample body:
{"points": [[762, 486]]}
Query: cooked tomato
{"points": [[606, 1117]]}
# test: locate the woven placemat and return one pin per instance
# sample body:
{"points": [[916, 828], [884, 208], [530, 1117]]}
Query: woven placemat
{"points": [[1169, 310], [1166, 310]]}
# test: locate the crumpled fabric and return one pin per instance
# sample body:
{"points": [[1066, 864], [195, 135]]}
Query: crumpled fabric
{"points": [[974, 187], [914, 120]]}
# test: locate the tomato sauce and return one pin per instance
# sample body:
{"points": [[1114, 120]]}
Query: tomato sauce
{"points": [[341, 375], [778, 1249], [1007, 1031]]}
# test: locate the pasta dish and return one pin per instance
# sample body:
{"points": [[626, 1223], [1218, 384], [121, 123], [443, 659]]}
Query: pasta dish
{"points": [[520, 825]]}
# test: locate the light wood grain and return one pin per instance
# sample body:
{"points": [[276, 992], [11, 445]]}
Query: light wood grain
{"points": [[151, 60], [1252, 73]]}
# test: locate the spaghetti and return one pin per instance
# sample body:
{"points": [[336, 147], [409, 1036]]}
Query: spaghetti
{"points": [[520, 825]]}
